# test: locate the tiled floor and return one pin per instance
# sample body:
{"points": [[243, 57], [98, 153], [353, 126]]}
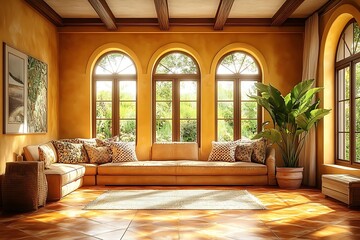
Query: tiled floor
{"points": [[302, 214]]}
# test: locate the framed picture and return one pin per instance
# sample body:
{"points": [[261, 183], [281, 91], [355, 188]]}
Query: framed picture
{"points": [[25, 93]]}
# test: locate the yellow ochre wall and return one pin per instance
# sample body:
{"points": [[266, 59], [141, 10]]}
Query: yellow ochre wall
{"points": [[331, 25], [25, 29], [278, 49]]}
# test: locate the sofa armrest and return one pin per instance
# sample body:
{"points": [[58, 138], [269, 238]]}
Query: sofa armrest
{"points": [[270, 163]]}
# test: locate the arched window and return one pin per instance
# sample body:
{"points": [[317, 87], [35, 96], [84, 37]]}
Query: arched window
{"points": [[114, 97], [237, 116], [348, 96], [176, 99]]}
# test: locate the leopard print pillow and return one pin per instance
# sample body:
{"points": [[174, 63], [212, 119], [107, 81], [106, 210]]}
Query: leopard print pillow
{"points": [[70, 152], [243, 152]]}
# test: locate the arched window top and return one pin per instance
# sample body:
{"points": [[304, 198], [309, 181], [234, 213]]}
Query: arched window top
{"points": [[238, 63], [115, 63], [176, 63], [349, 43]]}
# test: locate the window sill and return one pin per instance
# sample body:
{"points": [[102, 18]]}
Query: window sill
{"points": [[340, 167]]}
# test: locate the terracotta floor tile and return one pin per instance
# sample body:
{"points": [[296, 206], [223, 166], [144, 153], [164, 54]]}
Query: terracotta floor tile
{"points": [[113, 235], [295, 214]]}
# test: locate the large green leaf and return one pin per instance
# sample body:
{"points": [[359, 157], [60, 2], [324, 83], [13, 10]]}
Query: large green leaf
{"points": [[307, 99], [300, 89], [262, 88], [312, 107], [306, 123], [265, 104], [276, 99], [271, 134], [288, 102]]}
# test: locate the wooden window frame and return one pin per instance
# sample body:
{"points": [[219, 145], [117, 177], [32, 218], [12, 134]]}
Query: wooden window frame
{"points": [[350, 62], [236, 79], [176, 79], [115, 79]]}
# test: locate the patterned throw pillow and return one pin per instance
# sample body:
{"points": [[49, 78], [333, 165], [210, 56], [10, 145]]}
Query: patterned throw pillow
{"points": [[88, 141], [223, 151], [70, 152], [98, 155], [104, 143], [47, 153], [70, 140], [259, 150], [123, 152], [107, 141], [243, 152]]}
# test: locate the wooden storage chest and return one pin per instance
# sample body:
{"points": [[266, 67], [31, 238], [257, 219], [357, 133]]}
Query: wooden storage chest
{"points": [[343, 187]]}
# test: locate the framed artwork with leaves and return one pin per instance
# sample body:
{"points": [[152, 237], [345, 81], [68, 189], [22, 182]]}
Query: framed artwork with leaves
{"points": [[25, 93]]}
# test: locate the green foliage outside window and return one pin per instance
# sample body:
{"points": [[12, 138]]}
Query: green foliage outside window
{"points": [[185, 107], [119, 66], [348, 46]]}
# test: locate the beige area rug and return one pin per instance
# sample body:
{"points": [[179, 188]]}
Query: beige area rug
{"points": [[175, 199]]}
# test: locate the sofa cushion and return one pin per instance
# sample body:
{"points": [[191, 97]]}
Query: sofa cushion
{"points": [[174, 151], [139, 168], [90, 168], [220, 168], [60, 174], [182, 167]]}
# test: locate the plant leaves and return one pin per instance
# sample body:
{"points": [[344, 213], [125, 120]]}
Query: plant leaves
{"points": [[300, 89], [272, 134], [307, 99], [306, 123]]}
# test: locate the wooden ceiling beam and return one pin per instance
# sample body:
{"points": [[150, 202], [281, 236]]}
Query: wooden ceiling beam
{"points": [[104, 12], [44, 9], [285, 11], [181, 22], [162, 12], [222, 14]]}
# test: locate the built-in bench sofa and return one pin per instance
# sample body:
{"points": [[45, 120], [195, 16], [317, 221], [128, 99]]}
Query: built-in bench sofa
{"points": [[170, 164]]}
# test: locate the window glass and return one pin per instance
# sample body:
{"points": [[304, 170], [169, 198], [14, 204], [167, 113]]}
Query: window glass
{"points": [[349, 43], [115, 63], [176, 102], [237, 114], [176, 63], [238, 63], [115, 97], [348, 96]]}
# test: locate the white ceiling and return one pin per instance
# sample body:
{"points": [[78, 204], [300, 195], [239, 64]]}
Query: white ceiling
{"points": [[72, 8], [182, 8], [308, 7], [132, 9], [255, 9], [192, 8]]}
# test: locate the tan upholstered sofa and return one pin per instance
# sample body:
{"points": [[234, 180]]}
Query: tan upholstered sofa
{"points": [[63, 178], [170, 164], [178, 164]]}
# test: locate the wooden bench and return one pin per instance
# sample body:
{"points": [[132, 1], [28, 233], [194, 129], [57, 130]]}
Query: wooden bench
{"points": [[343, 187]]}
